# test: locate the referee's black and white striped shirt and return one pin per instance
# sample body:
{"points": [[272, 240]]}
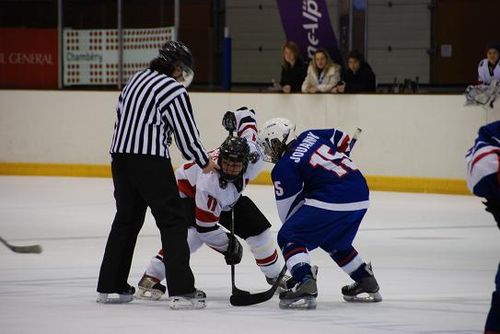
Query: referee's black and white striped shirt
{"points": [[150, 107]]}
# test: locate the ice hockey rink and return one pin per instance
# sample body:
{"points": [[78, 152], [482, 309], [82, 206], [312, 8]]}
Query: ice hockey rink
{"points": [[435, 257]]}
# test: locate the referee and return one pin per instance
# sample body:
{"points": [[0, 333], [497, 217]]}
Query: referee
{"points": [[152, 106]]}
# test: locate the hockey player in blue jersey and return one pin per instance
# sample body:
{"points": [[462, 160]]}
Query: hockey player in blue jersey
{"points": [[483, 179], [322, 198]]}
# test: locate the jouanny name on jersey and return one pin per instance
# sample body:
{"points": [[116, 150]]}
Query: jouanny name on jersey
{"points": [[303, 147]]}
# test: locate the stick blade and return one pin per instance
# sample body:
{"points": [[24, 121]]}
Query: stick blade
{"points": [[246, 299], [33, 249], [251, 298]]}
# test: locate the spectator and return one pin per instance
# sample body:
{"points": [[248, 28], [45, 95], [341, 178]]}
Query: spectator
{"points": [[489, 68], [293, 68], [358, 77], [322, 74]]}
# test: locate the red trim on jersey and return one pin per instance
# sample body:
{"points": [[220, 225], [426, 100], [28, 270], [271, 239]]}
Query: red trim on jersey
{"points": [[294, 251], [484, 154], [498, 173], [215, 249], [246, 127], [268, 260], [186, 188], [343, 146], [347, 259], [206, 216], [188, 165], [160, 252]]}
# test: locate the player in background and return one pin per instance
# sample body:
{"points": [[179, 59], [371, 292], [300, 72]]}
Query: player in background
{"points": [[487, 89], [208, 200], [483, 179], [322, 198], [489, 68]]}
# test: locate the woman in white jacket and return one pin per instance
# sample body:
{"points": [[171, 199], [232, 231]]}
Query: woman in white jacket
{"points": [[322, 74]]}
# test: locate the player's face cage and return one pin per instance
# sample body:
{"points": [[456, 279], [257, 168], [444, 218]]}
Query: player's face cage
{"points": [[231, 169], [273, 149]]}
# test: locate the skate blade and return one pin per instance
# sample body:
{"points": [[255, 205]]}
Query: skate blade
{"points": [[303, 303], [148, 294], [181, 303], [113, 298], [365, 297]]}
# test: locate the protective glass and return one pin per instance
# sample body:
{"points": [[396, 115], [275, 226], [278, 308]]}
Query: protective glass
{"points": [[187, 76], [231, 168], [272, 148]]}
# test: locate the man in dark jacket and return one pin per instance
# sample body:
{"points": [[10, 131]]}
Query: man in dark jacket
{"points": [[358, 77]]}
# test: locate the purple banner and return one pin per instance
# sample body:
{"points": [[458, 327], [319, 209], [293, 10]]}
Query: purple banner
{"points": [[307, 23]]}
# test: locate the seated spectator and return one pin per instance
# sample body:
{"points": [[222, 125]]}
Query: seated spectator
{"points": [[358, 77], [489, 68], [293, 69], [322, 74]]}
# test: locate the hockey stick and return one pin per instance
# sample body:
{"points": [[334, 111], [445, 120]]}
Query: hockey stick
{"points": [[234, 290], [246, 299], [259, 297], [35, 249], [354, 138], [229, 123]]}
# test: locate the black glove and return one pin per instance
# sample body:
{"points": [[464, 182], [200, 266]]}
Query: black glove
{"points": [[234, 251], [493, 208], [229, 121]]}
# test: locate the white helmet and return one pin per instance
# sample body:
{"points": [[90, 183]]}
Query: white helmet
{"points": [[274, 136]]}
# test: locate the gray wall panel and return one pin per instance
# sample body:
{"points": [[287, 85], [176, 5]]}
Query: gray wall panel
{"points": [[399, 64], [406, 28], [250, 28]]}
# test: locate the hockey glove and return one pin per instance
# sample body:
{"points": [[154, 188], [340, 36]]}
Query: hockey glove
{"points": [[494, 209], [229, 121], [234, 251]]}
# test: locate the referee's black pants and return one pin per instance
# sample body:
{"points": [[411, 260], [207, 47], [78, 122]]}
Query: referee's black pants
{"points": [[141, 181]]}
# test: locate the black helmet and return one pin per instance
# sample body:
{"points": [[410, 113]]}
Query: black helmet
{"points": [[233, 149], [175, 53]]}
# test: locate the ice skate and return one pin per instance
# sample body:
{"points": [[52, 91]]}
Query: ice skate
{"points": [[150, 288], [116, 298], [285, 283], [364, 291], [302, 295], [190, 301]]}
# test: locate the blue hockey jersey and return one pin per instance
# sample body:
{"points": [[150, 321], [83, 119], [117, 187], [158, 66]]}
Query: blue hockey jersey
{"points": [[317, 171], [483, 163]]}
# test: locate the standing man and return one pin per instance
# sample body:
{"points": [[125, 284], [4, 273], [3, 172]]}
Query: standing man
{"points": [[322, 198], [483, 179], [152, 106]]}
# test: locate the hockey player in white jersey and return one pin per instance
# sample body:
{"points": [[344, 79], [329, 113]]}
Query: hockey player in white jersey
{"points": [[489, 68], [208, 200], [487, 89]]}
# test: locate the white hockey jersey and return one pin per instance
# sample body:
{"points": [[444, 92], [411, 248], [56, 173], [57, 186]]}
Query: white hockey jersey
{"points": [[484, 75], [210, 198]]}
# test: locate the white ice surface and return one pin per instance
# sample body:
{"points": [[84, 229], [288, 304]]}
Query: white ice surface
{"points": [[435, 257]]}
